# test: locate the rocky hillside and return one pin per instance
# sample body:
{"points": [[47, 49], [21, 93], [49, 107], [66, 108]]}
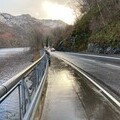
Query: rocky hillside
{"points": [[18, 30], [98, 30]]}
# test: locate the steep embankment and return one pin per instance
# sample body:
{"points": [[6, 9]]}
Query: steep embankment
{"points": [[99, 29]]}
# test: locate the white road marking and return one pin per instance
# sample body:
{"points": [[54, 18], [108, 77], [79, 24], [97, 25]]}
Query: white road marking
{"points": [[109, 57]]}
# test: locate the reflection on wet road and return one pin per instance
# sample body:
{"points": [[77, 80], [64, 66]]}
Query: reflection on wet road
{"points": [[69, 97], [104, 69], [62, 102]]}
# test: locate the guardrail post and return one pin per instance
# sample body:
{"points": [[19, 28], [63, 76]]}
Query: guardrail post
{"points": [[20, 107], [40, 71], [37, 76], [23, 99]]}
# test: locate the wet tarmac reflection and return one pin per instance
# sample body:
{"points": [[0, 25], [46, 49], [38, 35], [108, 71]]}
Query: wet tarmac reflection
{"points": [[70, 97]]}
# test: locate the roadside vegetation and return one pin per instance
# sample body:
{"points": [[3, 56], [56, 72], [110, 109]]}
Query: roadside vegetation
{"points": [[97, 30]]}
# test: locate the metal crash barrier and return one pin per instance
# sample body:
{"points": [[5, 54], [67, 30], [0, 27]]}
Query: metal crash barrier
{"points": [[30, 84]]}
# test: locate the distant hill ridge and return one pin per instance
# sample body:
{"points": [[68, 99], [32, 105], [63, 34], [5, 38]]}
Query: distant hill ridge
{"points": [[16, 30], [27, 19]]}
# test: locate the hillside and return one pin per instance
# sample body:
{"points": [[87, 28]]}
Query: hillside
{"points": [[98, 30], [20, 30]]}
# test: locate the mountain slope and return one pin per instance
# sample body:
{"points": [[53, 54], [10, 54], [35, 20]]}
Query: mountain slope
{"points": [[17, 30]]}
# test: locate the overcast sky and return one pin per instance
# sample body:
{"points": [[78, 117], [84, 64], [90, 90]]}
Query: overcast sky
{"points": [[42, 9]]}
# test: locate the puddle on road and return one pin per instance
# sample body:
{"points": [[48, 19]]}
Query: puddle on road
{"points": [[95, 105]]}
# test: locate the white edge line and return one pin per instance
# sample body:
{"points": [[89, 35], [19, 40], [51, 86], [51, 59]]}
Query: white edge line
{"points": [[116, 58], [98, 86]]}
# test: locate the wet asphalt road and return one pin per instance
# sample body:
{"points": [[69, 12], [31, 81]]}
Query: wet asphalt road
{"points": [[105, 70], [70, 97]]}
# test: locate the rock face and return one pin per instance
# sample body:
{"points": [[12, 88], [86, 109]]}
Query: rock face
{"points": [[102, 49], [16, 30]]}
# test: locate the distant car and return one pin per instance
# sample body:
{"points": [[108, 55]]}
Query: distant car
{"points": [[52, 49]]}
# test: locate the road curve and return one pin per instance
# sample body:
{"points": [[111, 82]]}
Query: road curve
{"points": [[70, 97], [104, 69]]}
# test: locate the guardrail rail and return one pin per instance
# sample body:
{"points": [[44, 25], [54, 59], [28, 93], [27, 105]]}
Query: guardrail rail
{"points": [[30, 84]]}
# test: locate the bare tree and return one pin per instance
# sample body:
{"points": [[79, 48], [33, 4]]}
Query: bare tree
{"points": [[36, 42]]}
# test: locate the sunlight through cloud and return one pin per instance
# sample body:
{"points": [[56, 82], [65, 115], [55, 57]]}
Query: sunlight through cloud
{"points": [[59, 12]]}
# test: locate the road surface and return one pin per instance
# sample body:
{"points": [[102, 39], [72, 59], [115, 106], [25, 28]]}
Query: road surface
{"points": [[104, 69], [69, 97]]}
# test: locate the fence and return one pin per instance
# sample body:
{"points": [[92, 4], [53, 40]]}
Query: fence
{"points": [[30, 84]]}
